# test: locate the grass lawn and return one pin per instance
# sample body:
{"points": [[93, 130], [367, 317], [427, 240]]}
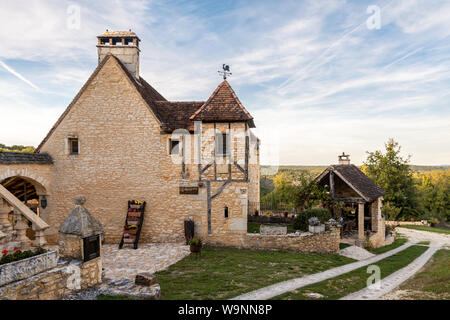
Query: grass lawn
{"points": [[425, 228], [345, 284], [433, 282], [425, 243], [397, 243], [223, 273], [253, 227], [343, 245]]}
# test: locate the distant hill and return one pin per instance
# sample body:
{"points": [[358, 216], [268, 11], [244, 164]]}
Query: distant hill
{"points": [[271, 170]]}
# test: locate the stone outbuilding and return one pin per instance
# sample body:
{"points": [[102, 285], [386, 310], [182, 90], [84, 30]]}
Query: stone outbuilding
{"points": [[361, 200]]}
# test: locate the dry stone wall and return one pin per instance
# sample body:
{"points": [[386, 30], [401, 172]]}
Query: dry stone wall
{"points": [[63, 280]]}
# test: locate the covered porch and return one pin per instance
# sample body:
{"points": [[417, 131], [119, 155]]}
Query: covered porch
{"points": [[357, 203]]}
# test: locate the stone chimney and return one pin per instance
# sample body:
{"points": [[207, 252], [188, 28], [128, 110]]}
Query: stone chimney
{"points": [[124, 45], [344, 159]]}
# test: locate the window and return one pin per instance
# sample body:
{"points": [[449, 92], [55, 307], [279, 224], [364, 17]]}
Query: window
{"points": [[73, 145], [225, 212], [174, 146], [222, 144]]}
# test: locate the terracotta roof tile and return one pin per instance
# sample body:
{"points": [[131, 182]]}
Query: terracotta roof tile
{"points": [[223, 105]]}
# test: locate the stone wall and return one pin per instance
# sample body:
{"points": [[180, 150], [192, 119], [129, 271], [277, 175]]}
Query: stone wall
{"points": [[65, 279], [325, 242], [408, 223], [124, 156]]}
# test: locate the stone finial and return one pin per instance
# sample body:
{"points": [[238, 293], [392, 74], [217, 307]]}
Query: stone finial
{"points": [[80, 200]]}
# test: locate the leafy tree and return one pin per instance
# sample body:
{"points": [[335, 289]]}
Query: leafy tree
{"points": [[393, 174]]}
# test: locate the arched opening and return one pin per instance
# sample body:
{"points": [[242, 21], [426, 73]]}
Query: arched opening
{"points": [[30, 192]]}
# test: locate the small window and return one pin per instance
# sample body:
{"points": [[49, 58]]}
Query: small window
{"points": [[222, 144], [225, 212], [174, 146], [73, 145]]}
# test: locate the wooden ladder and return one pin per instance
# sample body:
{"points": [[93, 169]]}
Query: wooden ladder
{"points": [[133, 223]]}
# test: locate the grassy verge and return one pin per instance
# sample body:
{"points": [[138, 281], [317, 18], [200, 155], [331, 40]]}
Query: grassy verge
{"points": [[345, 284], [397, 243], [432, 283], [425, 243], [223, 273], [253, 227], [425, 228], [343, 245]]}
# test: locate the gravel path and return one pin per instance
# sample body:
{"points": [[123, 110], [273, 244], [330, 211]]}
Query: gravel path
{"points": [[392, 281], [436, 239], [388, 284], [289, 285]]}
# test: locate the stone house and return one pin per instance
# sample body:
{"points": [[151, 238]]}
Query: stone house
{"points": [[120, 139]]}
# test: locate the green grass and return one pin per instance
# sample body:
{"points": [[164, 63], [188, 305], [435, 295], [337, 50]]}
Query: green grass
{"points": [[343, 245], [253, 227], [397, 243], [356, 280], [223, 273], [433, 282], [425, 243], [425, 228]]}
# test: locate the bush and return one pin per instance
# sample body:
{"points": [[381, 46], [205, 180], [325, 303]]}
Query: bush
{"points": [[196, 242], [301, 219]]}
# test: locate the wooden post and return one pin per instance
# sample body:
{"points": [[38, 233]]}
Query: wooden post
{"points": [[361, 236], [332, 184]]}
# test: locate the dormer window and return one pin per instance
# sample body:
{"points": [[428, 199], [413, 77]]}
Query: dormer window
{"points": [[73, 146], [222, 144], [174, 146]]}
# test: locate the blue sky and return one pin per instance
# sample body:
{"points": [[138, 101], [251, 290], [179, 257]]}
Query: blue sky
{"points": [[317, 80]]}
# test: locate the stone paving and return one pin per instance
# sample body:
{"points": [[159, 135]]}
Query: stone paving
{"points": [[289, 285], [149, 257], [122, 266]]}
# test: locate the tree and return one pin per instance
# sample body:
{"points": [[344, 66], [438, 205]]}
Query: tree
{"points": [[393, 174]]}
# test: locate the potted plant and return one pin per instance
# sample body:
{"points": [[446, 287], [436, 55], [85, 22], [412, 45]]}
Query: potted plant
{"points": [[195, 245]]}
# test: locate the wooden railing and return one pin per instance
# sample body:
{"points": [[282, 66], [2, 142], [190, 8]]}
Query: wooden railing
{"points": [[19, 228]]}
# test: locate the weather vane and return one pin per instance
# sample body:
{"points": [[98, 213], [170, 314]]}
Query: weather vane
{"points": [[226, 71]]}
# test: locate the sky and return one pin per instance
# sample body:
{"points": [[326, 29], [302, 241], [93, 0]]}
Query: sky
{"points": [[319, 77]]}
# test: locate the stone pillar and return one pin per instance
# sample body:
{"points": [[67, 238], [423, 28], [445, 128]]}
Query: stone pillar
{"points": [[4, 210], [361, 236], [21, 227], [374, 215], [39, 240]]}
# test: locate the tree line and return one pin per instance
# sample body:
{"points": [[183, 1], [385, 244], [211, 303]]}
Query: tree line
{"points": [[410, 194]]}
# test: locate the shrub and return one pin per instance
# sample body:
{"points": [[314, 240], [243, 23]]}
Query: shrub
{"points": [[301, 219], [196, 242]]}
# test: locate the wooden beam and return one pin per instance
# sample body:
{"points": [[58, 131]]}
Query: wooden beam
{"points": [[331, 184]]}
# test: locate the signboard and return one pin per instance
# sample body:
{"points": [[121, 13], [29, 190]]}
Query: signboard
{"points": [[188, 190]]}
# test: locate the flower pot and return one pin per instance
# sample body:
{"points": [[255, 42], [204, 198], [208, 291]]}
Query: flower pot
{"points": [[195, 248]]}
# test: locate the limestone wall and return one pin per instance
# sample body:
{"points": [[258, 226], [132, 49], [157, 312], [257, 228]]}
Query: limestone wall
{"points": [[325, 242], [56, 283], [124, 156]]}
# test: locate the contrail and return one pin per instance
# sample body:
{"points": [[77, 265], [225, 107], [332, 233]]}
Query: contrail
{"points": [[18, 75]]}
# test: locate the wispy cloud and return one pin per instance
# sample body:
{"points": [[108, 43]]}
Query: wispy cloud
{"points": [[18, 75], [310, 72]]}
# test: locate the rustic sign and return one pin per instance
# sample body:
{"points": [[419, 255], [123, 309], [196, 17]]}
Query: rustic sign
{"points": [[188, 190]]}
